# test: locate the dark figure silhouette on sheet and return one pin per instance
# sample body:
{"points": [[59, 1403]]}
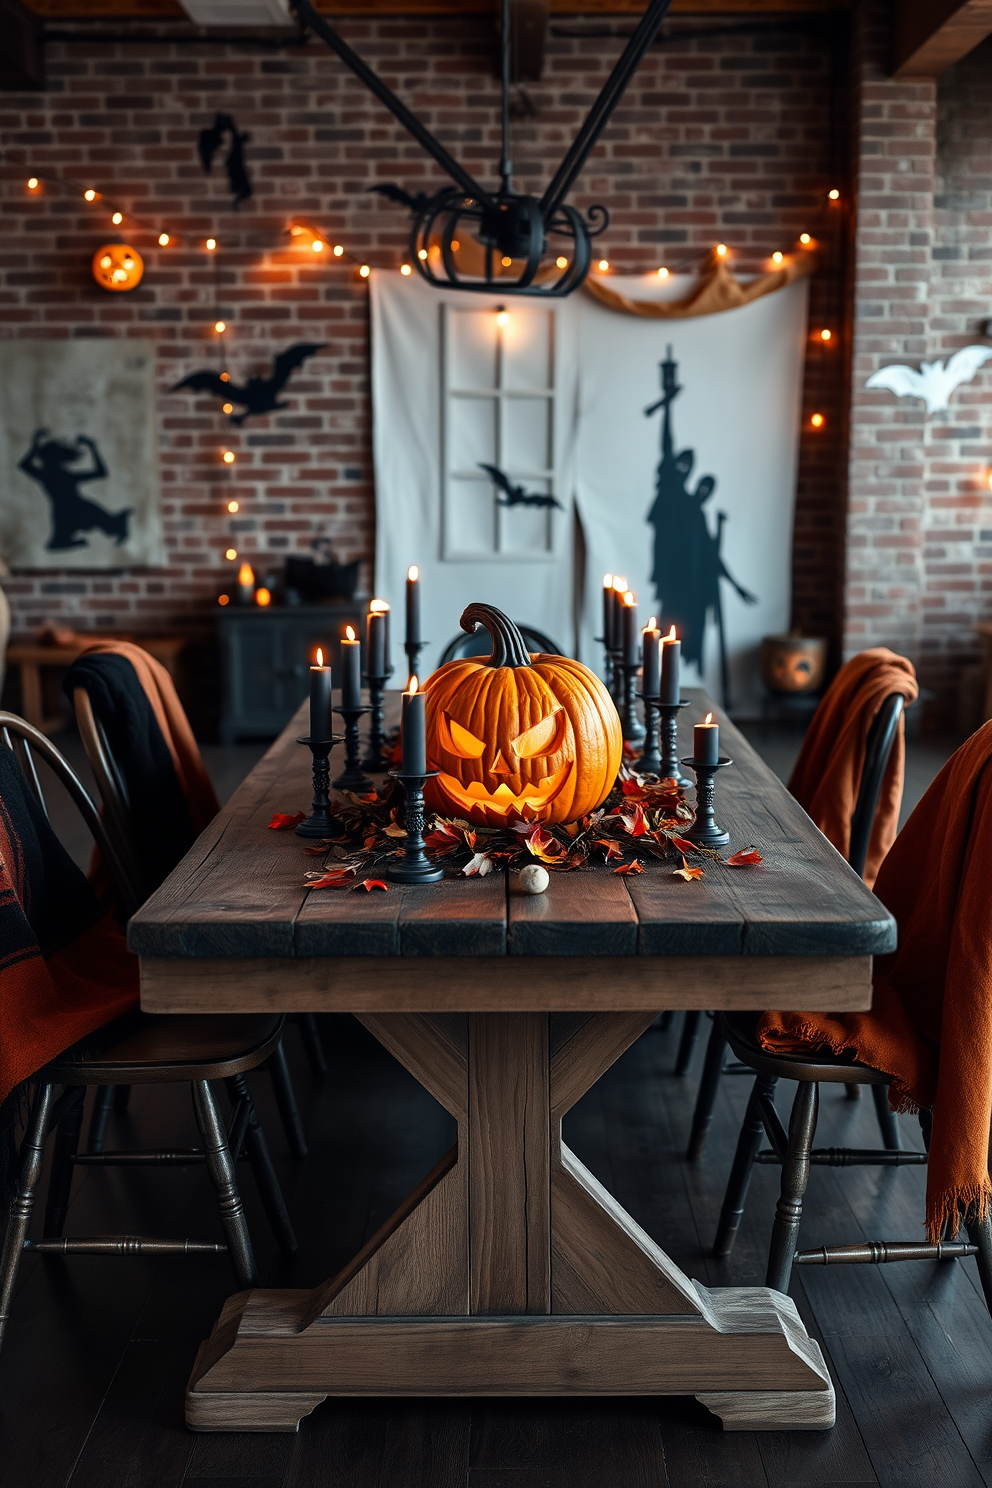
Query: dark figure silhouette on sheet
{"points": [[50, 462], [688, 562]]}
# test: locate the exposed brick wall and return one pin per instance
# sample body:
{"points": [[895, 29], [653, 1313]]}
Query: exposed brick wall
{"points": [[724, 137], [918, 540]]}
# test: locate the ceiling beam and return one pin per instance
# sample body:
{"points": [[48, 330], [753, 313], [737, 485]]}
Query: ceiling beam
{"points": [[154, 10], [928, 36], [22, 55]]}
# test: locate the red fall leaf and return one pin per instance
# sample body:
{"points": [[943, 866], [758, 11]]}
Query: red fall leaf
{"points": [[636, 825], [609, 849], [688, 873], [282, 821], [371, 883], [744, 858], [334, 878], [627, 868], [682, 844]]}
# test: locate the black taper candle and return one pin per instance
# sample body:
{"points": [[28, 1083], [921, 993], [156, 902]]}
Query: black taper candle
{"points": [[412, 731]]}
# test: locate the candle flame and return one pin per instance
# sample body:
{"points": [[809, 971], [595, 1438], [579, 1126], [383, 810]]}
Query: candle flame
{"points": [[412, 686], [629, 599], [320, 657], [708, 718], [671, 636], [607, 581], [651, 625], [413, 573], [349, 632], [245, 575], [619, 584], [378, 607]]}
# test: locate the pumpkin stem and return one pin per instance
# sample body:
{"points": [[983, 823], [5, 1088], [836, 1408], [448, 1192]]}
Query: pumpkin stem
{"points": [[508, 644]]}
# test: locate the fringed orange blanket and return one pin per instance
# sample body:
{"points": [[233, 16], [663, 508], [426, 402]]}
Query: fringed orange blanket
{"points": [[827, 774], [65, 969], [930, 1024]]}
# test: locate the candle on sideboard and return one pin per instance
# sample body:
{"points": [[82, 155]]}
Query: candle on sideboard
{"points": [[630, 631], [246, 585], [671, 665], [412, 732], [321, 725], [706, 741], [375, 638], [351, 670], [413, 605], [609, 605], [651, 663]]}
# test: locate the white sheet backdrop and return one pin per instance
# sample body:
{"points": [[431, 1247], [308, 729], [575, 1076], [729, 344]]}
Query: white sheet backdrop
{"points": [[739, 410]]}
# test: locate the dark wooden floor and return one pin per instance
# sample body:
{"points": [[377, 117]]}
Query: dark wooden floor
{"points": [[92, 1376]]}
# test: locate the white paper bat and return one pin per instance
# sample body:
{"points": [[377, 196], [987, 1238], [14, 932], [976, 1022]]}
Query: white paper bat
{"points": [[934, 382]]}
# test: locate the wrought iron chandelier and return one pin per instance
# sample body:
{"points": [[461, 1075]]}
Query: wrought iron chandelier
{"points": [[465, 237]]}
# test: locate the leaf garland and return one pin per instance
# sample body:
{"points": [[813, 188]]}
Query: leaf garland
{"points": [[641, 817]]}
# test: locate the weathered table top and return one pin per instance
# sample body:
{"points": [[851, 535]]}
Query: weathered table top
{"points": [[240, 891]]}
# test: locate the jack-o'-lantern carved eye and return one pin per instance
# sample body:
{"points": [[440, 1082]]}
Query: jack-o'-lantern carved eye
{"points": [[457, 739], [545, 737]]}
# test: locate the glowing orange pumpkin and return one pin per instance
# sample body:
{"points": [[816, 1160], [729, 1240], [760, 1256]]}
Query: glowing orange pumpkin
{"points": [[518, 737], [117, 267]]}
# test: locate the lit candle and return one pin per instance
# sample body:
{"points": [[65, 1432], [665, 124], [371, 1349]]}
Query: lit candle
{"points": [[412, 731], [706, 741], [246, 585], [619, 590], [609, 604], [671, 663], [321, 726], [630, 631], [375, 638], [651, 663], [413, 606], [351, 671]]}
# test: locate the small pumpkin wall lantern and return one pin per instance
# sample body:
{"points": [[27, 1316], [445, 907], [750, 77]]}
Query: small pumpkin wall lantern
{"points": [[516, 737], [117, 266]]}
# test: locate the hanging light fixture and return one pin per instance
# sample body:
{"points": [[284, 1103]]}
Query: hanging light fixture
{"points": [[465, 237]]}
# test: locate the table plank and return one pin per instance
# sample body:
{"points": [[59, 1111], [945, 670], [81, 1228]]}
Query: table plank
{"points": [[586, 912]]}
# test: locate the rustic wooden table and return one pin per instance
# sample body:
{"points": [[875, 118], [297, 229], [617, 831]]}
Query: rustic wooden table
{"points": [[510, 1270]]}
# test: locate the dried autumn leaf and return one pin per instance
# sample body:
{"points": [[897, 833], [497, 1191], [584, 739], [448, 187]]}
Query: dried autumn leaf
{"points": [[744, 858], [443, 839], [282, 821], [637, 824], [335, 878], [627, 868], [633, 789], [478, 864], [469, 839], [393, 830], [542, 845], [688, 873], [682, 844], [608, 849], [371, 883]]}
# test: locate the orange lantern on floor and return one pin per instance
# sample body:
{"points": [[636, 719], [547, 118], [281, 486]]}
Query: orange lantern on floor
{"points": [[118, 267]]}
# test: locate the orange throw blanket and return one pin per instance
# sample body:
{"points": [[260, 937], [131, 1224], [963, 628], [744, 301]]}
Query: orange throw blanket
{"points": [[170, 716], [930, 1024], [65, 969], [827, 775]]}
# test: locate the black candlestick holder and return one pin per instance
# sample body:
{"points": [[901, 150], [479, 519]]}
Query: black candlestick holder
{"points": [[320, 822], [414, 866], [669, 730], [633, 728], [614, 662], [607, 662], [352, 778], [650, 760], [704, 831], [413, 650], [376, 757]]}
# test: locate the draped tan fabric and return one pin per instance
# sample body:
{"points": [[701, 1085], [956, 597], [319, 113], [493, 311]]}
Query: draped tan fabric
{"points": [[716, 290]]}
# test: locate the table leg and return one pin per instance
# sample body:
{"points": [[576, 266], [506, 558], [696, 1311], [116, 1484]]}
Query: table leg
{"points": [[509, 1270]]}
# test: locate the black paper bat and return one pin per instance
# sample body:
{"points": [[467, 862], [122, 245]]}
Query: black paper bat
{"points": [[516, 495], [210, 142], [397, 194], [259, 394]]}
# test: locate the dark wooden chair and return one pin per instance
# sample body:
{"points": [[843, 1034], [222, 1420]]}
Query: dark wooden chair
{"points": [[794, 1150], [479, 644], [117, 820], [878, 747], [140, 1049]]}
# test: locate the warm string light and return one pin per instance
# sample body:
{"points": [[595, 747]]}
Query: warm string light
{"points": [[825, 335], [777, 258], [604, 265], [721, 250], [817, 420], [229, 457], [233, 506]]}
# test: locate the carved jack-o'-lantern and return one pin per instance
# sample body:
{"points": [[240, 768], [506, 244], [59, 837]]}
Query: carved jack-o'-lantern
{"points": [[792, 663], [515, 737], [117, 267]]}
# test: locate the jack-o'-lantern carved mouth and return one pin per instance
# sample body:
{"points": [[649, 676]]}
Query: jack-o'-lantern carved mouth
{"points": [[504, 804]]}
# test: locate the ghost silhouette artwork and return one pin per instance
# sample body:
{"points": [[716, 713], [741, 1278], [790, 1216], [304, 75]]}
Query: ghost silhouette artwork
{"points": [[688, 564], [53, 464]]}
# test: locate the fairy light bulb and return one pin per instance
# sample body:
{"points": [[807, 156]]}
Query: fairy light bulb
{"points": [[365, 271], [211, 244], [561, 262], [603, 265], [817, 420], [776, 257], [227, 408], [233, 506], [505, 261], [834, 194], [317, 246], [421, 254], [164, 240], [220, 326], [662, 272], [406, 270], [228, 457], [338, 251], [89, 194], [805, 239], [455, 245], [117, 218], [825, 335], [502, 318], [223, 599], [231, 555], [33, 183], [721, 250]]}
